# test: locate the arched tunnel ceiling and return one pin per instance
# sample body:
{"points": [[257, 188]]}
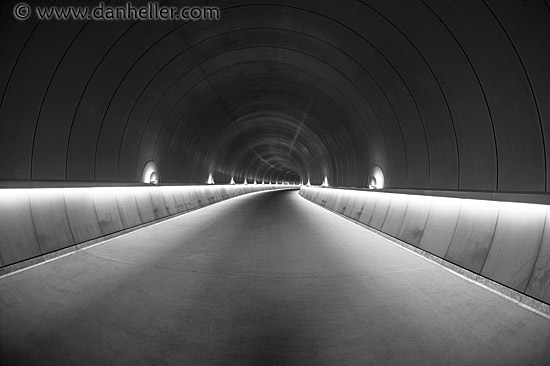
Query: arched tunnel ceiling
{"points": [[441, 94]]}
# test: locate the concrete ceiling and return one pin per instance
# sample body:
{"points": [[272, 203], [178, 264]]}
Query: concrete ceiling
{"points": [[441, 94]]}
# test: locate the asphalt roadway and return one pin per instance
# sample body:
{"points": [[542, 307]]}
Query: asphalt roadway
{"points": [[263, 279]]}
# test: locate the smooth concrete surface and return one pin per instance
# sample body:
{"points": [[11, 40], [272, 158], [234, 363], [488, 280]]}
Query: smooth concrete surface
{"points": [[440, 227], [473, 235], [414, 222], [380, 211], [440, 94], [36, 221], [540, 282], [16, 213], [263, 279], [501, 241], [369, 203], [395, 216]]}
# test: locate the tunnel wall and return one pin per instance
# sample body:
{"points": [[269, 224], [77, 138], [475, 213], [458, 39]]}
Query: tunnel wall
{"points": [[507, 242], [38, 221], [440, 94]]}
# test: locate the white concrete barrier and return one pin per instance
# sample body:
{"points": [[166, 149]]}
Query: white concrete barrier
{"points": [[38, 221], [506, 242]]}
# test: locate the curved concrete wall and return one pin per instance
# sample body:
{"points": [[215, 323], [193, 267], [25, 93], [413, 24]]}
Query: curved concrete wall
{"points": [[507, 242], [38, 221], [440, 94]]}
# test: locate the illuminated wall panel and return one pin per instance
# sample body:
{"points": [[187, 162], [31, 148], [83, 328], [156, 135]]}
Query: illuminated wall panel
{"points": [[507, 242], [38, 221]]}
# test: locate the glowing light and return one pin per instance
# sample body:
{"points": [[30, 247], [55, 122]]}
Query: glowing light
{"points": [[376, 180], [232, 181], [245, 182], [308, 183], [372, 183], [150, 174], [22, 196], [210, 179], [325, 182], [516, 208], [154, 178]]}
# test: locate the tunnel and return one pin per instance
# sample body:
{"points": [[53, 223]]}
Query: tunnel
{"points": [[282, 182]]}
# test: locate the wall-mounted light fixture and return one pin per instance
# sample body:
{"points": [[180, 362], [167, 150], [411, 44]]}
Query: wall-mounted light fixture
{"points": [[376, 179], [150, 174]]}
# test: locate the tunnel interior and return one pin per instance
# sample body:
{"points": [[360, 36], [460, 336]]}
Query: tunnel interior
{"points": [[440, 95], [422, 123]]}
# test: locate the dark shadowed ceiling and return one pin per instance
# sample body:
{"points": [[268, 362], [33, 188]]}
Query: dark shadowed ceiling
{"points": [[440, 94]]}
